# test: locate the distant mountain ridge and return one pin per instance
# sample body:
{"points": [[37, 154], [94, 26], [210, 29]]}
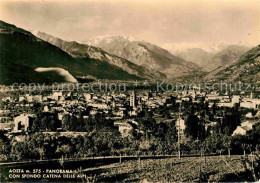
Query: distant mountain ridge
{"points": [[22, 54], [196, 55], [145, 54], [226, 56], [209, 60], [246, 68], [83, 51]]}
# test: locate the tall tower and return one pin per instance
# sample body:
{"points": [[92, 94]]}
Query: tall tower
{"points": [[133, 99]]}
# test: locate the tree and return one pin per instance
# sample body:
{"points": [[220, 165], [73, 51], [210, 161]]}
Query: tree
{"points": [[170, 138], [231, 121], [41, 152], [63, 150], [213, 143], [192, 126], [5, 146], [66, 122], [20, 151], [36, 125], [80, 126], [227, 143], [88, 146]]}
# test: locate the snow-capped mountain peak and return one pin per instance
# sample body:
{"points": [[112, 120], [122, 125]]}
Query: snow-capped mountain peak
{"points": [[108, 39], [144, 54]]}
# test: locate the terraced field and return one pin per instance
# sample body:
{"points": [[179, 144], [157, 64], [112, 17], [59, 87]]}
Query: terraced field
{"points": [[217, 168]]}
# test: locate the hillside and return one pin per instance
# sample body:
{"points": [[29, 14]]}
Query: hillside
{"points": [[226, 56], [22, 53], [245, 69], [145, 54], [103, 59], [197, 56], [212, 60]]}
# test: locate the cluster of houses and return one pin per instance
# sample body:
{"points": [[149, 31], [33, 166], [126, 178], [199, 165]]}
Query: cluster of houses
{"points": [[122, 108]]}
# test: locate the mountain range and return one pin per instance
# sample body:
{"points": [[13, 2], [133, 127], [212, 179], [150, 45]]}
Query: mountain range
{"points": [[246, 69], [39, 57], [145, 54], [85, 52], [209, 61], [22, 53]]}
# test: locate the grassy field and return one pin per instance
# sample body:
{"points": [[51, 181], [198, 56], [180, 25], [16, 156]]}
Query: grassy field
{"points": [[217, 168]]}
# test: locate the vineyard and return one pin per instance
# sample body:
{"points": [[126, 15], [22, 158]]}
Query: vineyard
{"points": [[217, 168]]}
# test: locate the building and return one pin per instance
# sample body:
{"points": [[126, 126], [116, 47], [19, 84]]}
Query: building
{"points": [[23, 123], [213, 98], [99, 106], [31, 98], [88, 96], [37, 98], [250, 115], [21, 99], [125, 127], [133, 113], [57, 95], [250, 103], [244, 127], [187, 98], [133, 99], [235, 99], [225, 104], [240, 130], [226, 99]]}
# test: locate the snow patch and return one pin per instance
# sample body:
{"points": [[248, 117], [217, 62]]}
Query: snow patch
{"points": [[130, 38], [108, 39], [68, 77], [176, 48], [142, 49], [109, 57]]}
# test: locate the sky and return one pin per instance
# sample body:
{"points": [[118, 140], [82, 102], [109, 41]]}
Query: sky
{"points": [[172, 24]]}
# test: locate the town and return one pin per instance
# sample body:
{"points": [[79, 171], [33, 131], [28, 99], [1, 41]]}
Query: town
{"points": [[135, 121]]}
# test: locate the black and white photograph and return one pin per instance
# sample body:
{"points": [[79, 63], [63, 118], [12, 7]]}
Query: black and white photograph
{"points": [[129, 91]]}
